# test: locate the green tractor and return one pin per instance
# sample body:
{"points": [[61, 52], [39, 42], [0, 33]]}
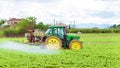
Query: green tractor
{"points": [[57, 37]]}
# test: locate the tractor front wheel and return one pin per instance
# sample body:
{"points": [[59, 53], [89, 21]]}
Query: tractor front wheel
{"points": [[75, 44], [53, 42]]}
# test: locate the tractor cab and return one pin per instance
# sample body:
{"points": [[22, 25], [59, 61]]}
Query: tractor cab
{"points": [[59, 31]]}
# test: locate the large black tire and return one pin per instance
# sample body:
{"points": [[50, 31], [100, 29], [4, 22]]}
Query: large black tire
{"points": [[53, 42], [75, 44]]}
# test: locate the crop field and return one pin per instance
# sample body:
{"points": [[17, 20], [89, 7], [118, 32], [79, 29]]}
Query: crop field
{"points": [[99, 51]]}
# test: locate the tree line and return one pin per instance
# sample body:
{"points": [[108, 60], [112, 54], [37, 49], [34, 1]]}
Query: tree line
{"points": [[92, 30], [25, 24], [115, 26], [29, 23]]}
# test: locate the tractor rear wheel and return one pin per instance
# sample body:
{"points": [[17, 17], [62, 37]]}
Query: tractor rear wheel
{"points": [[75, 44], [53, 42]]}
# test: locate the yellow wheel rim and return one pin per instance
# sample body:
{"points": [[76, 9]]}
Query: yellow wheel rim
{"points": [[75, 44], [53, 42]]}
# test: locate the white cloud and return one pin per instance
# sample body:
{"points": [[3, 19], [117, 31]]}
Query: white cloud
{"points": [[62, 10]]}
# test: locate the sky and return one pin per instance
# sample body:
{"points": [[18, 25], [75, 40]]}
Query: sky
{"points": [[64, 11]]}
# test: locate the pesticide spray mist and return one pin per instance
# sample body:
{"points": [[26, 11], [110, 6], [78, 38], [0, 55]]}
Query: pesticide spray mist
{"points": [[27, 48]]}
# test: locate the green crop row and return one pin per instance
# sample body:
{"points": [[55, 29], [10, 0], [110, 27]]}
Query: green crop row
{"points": [[93, 30], [99, 51]]}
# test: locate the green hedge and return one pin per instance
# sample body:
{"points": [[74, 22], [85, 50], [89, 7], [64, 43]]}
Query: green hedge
{"points": [[93, 30], [1, 33], [13, 32]]}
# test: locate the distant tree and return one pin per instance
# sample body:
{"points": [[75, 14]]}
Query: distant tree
{"points": [[115, 26], [69, 26], [46, 27], [42, 26], [3, 21], [32, 20], [26, 24], [118, 25]]}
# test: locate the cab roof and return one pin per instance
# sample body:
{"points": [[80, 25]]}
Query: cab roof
{"points": [[57, 27]]}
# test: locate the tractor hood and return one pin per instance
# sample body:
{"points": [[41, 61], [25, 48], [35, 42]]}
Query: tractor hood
{"points": [[73, 37]]}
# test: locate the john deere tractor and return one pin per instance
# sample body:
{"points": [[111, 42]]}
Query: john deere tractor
{"points": [[56, 37]]}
